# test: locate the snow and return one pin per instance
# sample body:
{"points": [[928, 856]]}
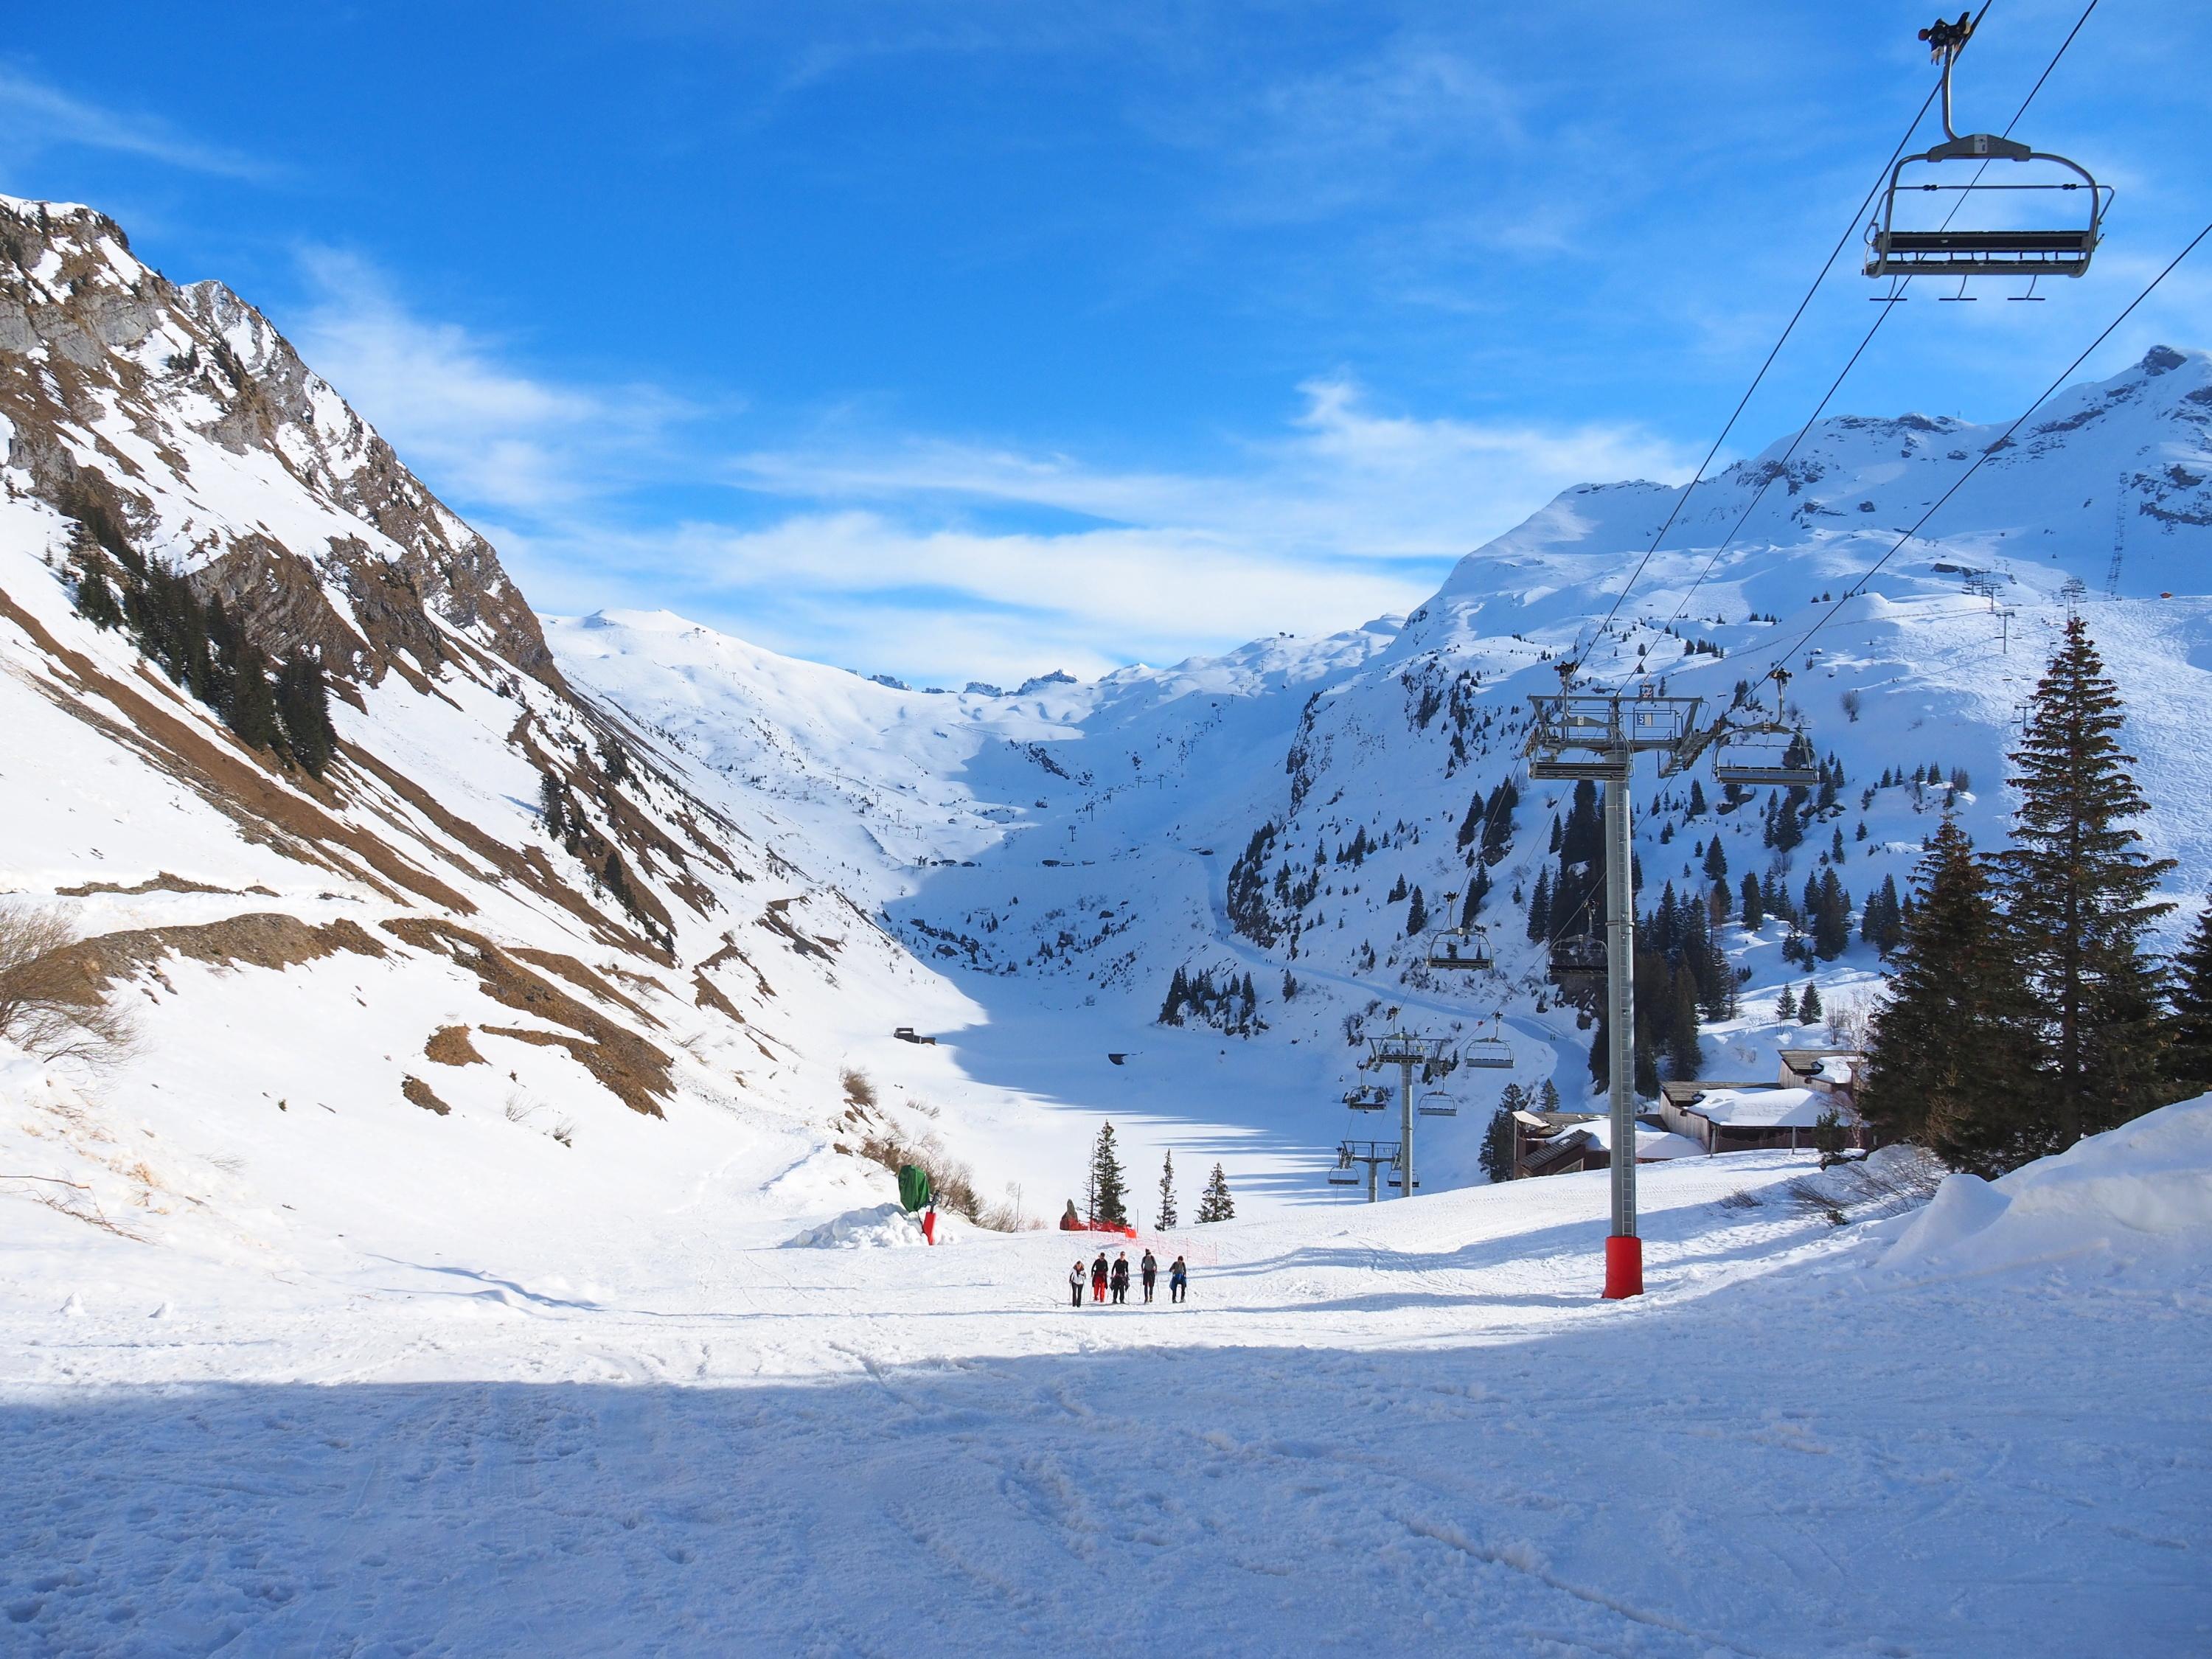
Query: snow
{"points": [[2142, 1189], [878, 1226], [1764, 1109], [1411, 1428]]}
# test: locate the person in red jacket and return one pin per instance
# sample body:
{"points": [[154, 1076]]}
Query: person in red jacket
{"points": [[1098, 1278]]}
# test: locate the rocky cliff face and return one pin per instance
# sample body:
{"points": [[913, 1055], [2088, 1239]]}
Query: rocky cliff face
{"points": [[115, 381]]}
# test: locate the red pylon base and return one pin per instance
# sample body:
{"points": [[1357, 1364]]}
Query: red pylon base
{"points": [[1624, 1267]]}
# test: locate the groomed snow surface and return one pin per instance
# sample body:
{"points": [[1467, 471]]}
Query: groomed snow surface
{"points": [[1979, 1428]]}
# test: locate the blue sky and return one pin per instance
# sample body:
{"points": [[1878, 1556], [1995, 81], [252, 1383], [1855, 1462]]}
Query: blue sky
{"points": [[970, 340]]}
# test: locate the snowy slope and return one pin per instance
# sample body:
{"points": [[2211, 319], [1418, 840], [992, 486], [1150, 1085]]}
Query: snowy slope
{"points": [[1411, 1428]]}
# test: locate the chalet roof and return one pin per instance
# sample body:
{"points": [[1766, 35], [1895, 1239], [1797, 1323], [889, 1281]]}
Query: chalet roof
{"points": [[1769, 1108], [1682, 1094], [1651, 1142]]}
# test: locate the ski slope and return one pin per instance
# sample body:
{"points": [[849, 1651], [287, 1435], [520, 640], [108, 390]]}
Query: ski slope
{"points": [[1409, 1428]]}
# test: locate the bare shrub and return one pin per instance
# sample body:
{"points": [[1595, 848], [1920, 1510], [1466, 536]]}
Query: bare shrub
{"points": [[1851, 706], [859, 1089], [1850, 1018], [49, 1006], [1741, 1198], [951, 1180], [565, 1132]]}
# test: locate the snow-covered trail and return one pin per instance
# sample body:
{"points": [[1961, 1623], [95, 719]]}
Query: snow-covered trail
{"points": [[1409, 1428]]}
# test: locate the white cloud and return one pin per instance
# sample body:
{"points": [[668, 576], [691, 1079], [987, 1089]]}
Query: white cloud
{"points": [[35, 116], [489, 435], [942, 559]]}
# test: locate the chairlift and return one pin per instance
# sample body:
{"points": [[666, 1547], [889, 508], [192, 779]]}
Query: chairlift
{"points": [[1373, 1097], [1988, 251], [1577, 960], [1488, 1050], [1760, 748], [1437, 1103], [1465, 947], [1343, 1178]]}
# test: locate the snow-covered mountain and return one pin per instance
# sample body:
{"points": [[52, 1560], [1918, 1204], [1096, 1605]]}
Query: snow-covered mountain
{"points": [[756, 868], [388, 995], [1064, 854]]}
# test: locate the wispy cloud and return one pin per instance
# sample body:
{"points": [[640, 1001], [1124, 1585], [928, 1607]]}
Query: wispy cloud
{"points": [[36, 116], [939, 558], [490, 435]]}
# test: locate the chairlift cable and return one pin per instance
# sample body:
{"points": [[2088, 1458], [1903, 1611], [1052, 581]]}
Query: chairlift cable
{"points": [[1788, 329], [2003, 442], [1682, 609]]}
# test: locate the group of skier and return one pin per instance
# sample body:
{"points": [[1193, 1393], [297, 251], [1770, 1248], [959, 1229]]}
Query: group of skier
{"points": [[1116, 1278]]}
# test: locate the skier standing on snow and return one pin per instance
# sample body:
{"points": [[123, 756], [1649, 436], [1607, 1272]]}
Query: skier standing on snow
{"points": [[1178, 1280], [1152, 1271], [1075, 1282], [1098, 1278], [1121, 1277]]}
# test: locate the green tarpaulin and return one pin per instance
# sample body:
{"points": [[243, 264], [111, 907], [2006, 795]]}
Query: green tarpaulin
{"points": [[913, 1187]]}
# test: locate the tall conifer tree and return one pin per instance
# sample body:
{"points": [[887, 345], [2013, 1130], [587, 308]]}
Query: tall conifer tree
{"points": [[2190, 1031], [2080, 895], [1951, 1060], [1107, 1186]]}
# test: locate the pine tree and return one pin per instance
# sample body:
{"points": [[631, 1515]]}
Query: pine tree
{"points": [[1684, 1059], [1832, 917], [95, 599], [1547, 1097], [552, 807], [1754, 904], [2079, 895], [1715, 861], [1646, 1079], [1785, 1006], [2189, 1031], [1952, 1058], [1214, 1204], [1808, 1005], [1417, 913], [1539, 907], [303, 704], [1167, 1217], [252, 705], [1178, 998], [1499, 1140], [1108, 1188]]}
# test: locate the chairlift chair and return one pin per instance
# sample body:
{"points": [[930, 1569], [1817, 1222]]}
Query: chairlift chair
{"points": [[1465, 947], [1437, 1103], [1488, 1050], [1578, 959], [1373, 1098], [1344, 1175], [1987, 250], [1760, 755], [1760, 748]]}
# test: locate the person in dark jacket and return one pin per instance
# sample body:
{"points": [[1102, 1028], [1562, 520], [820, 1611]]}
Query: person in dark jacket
{"points": [[1151, 1268], [1098, 1278], [1075, 1277], [1121, 1277], [1178, 1280]]}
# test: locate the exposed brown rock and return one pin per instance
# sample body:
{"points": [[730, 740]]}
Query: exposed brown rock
{"points": [[449, 1045], [420, 1092], [625, 1065]]}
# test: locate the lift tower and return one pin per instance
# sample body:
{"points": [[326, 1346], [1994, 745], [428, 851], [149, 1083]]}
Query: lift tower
{"points": [[1430, 1055], [1597, 736]]}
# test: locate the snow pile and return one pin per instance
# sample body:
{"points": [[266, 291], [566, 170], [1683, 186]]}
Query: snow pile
{"points": [[881, 1226], [2144, 1187]]}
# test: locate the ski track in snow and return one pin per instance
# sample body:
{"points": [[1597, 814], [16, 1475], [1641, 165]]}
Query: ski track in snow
{"points": [[1417, 1434]]}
